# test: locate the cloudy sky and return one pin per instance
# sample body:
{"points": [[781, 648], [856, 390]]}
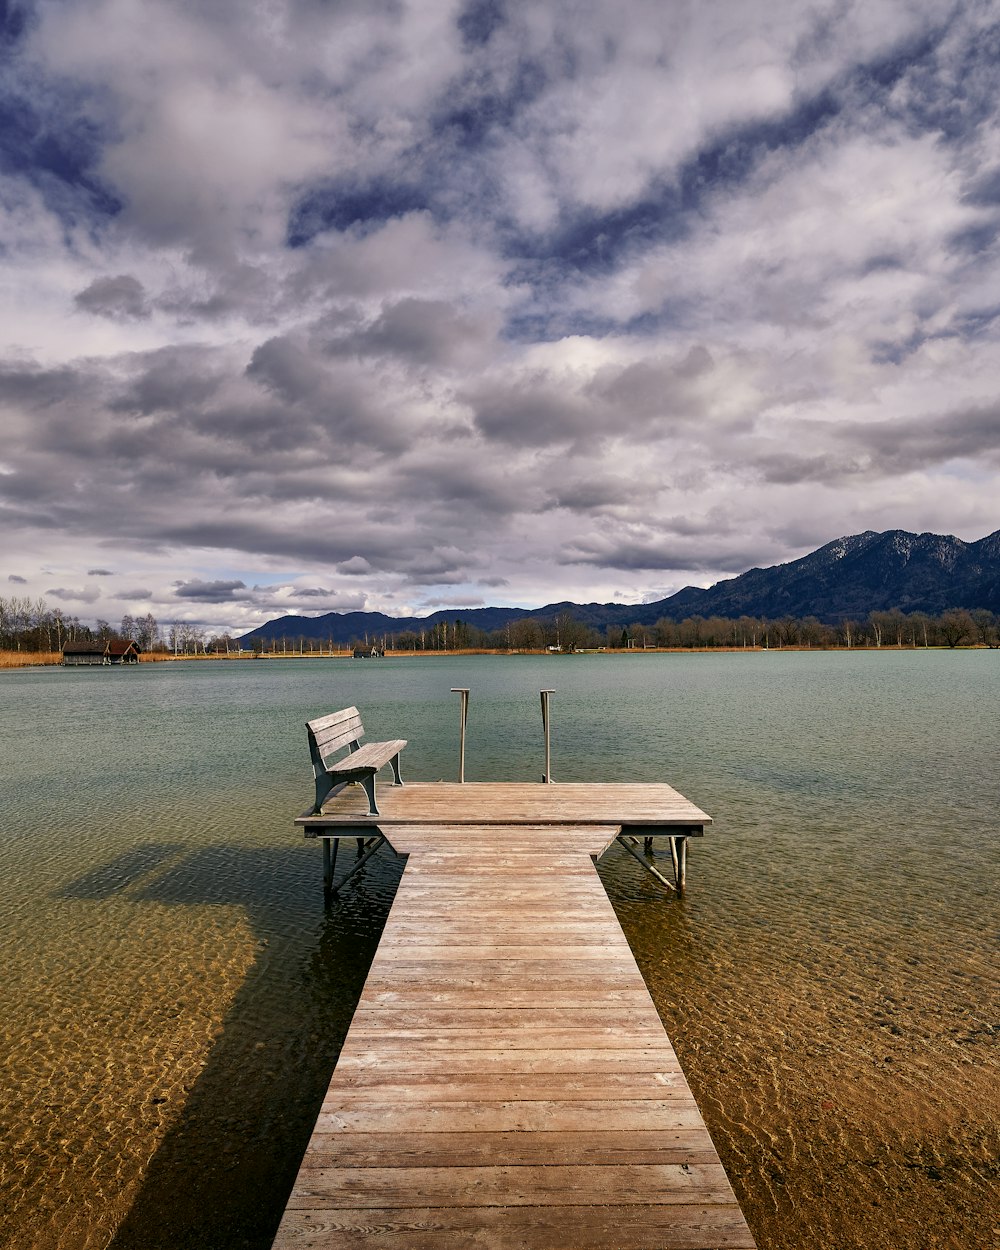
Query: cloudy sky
{"points": [[402, 304]]}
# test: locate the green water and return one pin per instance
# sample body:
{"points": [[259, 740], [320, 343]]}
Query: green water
{"points": [[174, 992]]}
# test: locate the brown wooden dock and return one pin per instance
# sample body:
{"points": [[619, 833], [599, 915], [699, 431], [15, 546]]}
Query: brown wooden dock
{"points": [[506, 1080], [501, 803]]}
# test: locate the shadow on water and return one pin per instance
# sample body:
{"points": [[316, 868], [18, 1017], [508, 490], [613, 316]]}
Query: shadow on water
{"points": [[223, 1172], [121, 872]]}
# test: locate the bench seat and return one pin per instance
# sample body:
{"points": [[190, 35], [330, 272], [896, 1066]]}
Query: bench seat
{"points": [[367, 759], [332, 733]]}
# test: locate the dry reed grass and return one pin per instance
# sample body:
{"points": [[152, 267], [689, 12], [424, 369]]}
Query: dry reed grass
{"points": [[28, 659]]}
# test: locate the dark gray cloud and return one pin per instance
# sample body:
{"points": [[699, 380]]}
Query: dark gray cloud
{"points": [[588, 495], [100, 573], [213, 592], [81, 594], [903, 444], [654, 553], [171, 380], [332, 405], [535, 411], [18, 581], [428, 333], [122, 298]]}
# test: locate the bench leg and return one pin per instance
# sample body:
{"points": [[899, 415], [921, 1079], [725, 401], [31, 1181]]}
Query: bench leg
{"points": [[369, 785], [394, 764], [323, 787]]}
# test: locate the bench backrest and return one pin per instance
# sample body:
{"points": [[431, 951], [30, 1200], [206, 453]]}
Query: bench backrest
{"points": [[330, 733]]}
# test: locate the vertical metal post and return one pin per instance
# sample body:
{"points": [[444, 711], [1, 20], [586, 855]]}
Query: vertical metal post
{"points": [[547, 775], [329, 862], [463, 691]]}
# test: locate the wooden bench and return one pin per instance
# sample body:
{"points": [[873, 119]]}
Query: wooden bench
{"points": [[340, 729]]}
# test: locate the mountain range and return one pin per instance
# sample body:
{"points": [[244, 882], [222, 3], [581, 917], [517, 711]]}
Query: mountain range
{"points": [[845, 579]]}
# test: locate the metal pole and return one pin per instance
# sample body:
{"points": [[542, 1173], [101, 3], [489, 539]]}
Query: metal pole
{"points": [[464, 714], [547, 775], [628, 844], [375, 844]]}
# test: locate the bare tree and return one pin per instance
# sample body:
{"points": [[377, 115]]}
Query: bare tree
{"points": [[147, 632], [666, 632], [986, 626], [955, 626]]}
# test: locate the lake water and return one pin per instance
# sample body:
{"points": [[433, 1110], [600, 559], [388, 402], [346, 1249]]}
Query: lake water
{"points": [[174, 991]]}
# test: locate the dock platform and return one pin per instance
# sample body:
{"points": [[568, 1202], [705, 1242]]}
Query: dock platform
{"points": [[506, 1080]]}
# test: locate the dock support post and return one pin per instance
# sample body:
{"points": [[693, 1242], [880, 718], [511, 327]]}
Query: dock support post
{"points": [[630, 844], [463, 692], [547, 775], [679, 852], [329, 863], [369, 848]]}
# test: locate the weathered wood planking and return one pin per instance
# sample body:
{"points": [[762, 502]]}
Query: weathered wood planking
{"points": [[515, 803], [506, 1081]]}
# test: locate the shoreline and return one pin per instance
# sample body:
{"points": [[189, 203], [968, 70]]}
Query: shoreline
{"points": [[15, 660]]}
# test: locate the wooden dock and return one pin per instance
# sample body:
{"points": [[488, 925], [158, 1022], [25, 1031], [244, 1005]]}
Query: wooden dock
{"points": [[506, 1080]]}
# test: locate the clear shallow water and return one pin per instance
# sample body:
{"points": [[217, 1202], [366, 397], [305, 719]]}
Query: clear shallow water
{"points": [[174, 993]]}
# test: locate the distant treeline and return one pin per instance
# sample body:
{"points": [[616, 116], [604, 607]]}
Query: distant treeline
{"points": [[31, 625], [956, 627]]}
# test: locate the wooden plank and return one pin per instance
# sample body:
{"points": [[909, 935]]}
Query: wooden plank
{"points": [[372, 755], [582, 1227], [459, 1060], [504, 929], [486, 996], [336, 730], [346, 718], [653, 1078], [409, 1087], [597, 1146], [510, 1186], [404, 1041], [502, 980], [623, 1115], [518, 969], [451, 1021], [405, 952]]}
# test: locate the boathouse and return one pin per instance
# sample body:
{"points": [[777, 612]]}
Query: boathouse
{"points": [[89, 653]]}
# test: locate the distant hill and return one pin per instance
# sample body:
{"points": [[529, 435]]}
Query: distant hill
{"points": [[854, 576], [846, 579]]}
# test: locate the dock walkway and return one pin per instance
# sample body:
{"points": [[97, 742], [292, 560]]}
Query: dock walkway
{"points": [[506, 1080]]}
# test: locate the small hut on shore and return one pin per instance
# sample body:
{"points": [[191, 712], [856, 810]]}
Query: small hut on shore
{"points": [[90, 653]]}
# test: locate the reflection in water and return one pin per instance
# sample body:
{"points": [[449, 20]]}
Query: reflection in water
{"points": [[225, 1167], [175, 994]]}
